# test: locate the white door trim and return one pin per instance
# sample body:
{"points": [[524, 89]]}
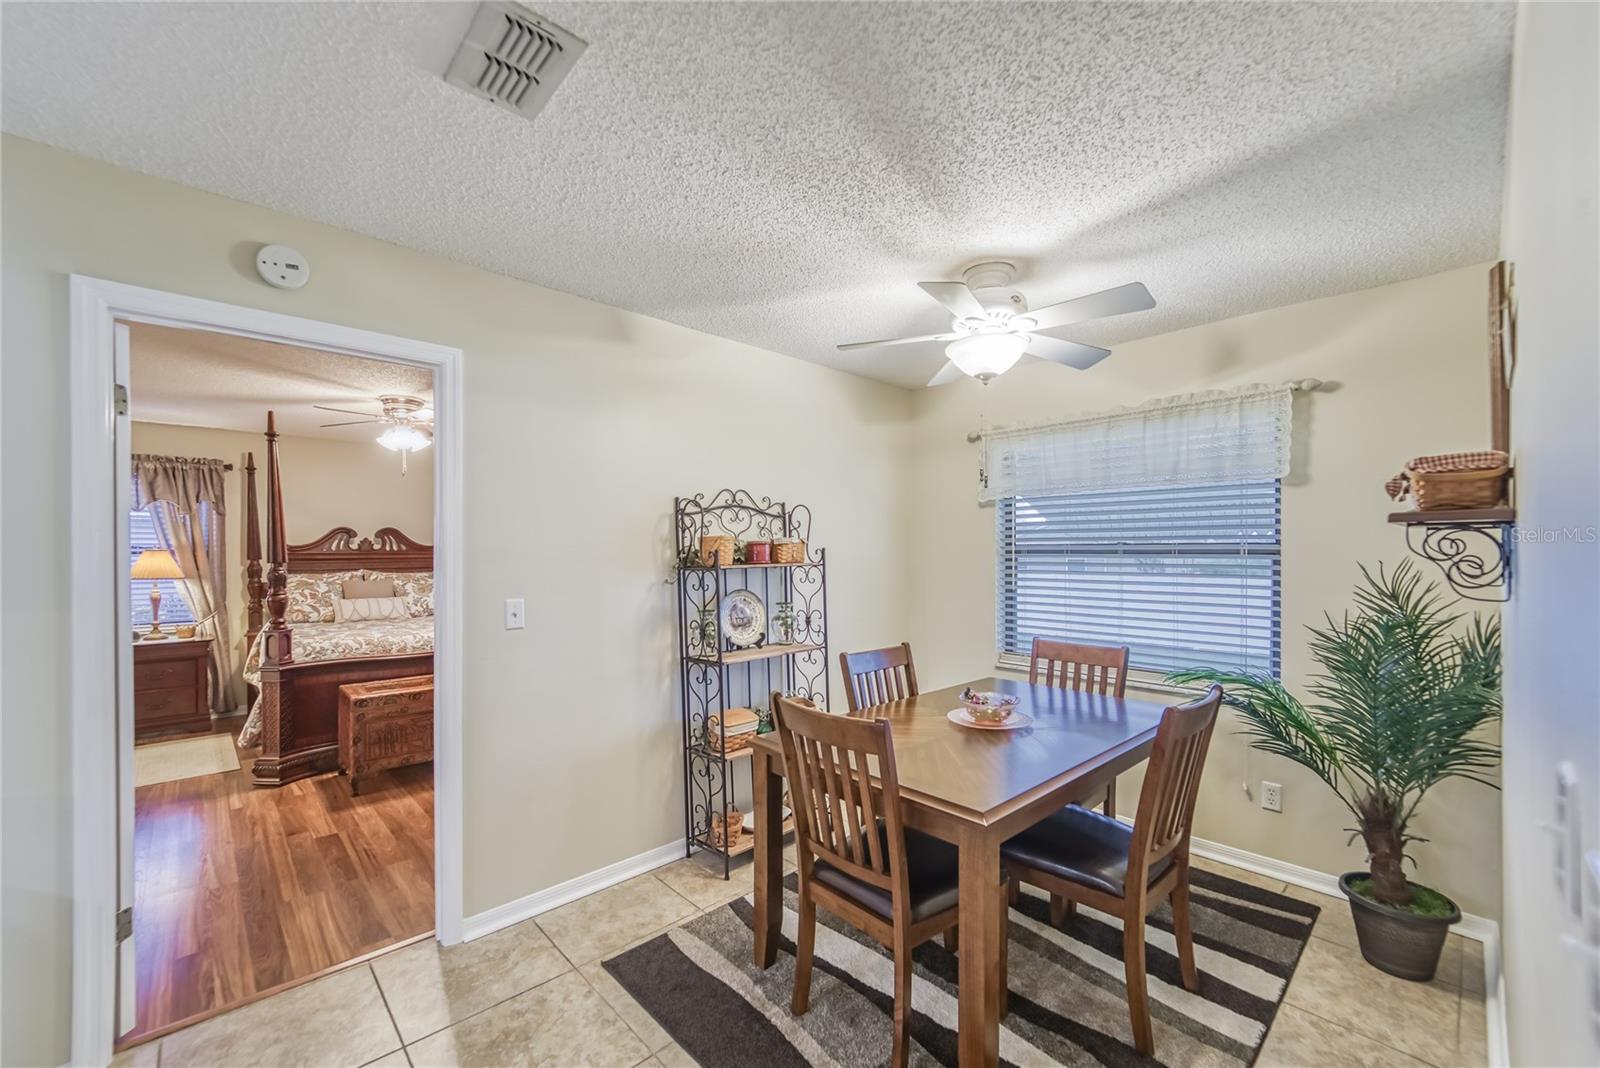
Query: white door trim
{"points": [[95, 306]]}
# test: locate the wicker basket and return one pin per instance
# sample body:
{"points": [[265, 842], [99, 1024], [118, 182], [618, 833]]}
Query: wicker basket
{"points": [[1458, 489], [788, 551], [716, 549], [726, 835], [736, 742]]}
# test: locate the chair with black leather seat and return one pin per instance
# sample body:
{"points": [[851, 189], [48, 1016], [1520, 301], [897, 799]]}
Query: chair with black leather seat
{"points": [[855, 858], [1078, 855]]}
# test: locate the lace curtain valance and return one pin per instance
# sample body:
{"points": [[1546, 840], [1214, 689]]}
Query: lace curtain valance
{"points": [[1202, 438]]}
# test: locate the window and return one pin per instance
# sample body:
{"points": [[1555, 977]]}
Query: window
{"points": [[174, 605], [1186, 577]]}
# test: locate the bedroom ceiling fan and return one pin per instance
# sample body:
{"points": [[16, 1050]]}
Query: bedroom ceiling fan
{"points": [[993, 327], [407, 423]]}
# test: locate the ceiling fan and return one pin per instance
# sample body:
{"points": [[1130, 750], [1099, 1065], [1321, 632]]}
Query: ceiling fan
{"points": [[407, 422], [993, 327]]}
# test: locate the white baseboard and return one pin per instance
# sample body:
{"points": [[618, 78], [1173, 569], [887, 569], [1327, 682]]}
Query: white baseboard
{"points": [[1480, 928], [533, 904]]}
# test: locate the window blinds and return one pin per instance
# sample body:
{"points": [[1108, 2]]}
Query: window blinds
{"points": [[1156, 527], [1185, 577]]}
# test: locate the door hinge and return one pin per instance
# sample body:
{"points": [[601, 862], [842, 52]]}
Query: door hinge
{"points": [[120, 398], [125, 924]]}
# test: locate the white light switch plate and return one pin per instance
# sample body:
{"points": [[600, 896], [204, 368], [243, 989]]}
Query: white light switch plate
{"points": [[516, 614]]}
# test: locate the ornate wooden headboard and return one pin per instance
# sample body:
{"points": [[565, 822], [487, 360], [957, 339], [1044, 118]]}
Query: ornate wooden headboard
{"points": [[341, 549]]}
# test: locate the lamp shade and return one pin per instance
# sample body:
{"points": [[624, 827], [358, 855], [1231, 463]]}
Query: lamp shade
{"points": [[156, 564], [983, 356]]}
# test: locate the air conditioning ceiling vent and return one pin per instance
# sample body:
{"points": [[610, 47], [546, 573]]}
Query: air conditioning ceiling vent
{"points": [[513, 57]]}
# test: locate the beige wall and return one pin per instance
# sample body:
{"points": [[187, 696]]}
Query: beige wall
{"points": [[1552, 235], [582, 423], [327, 483], [1407, 368]]}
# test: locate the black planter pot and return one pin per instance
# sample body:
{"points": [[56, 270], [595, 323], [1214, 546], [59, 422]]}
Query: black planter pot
{"points": [[1395, 941]]}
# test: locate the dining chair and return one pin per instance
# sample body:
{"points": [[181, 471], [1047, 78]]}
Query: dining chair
{"points": [[1079, 855], [1101, 669], [878, 676], [855, 858]]}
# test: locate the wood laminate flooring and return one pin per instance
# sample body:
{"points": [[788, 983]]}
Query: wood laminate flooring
{"points": [[241, 889]]}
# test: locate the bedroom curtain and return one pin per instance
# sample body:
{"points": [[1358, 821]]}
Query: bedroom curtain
{"points": [[186, 500], [1198, 439]]}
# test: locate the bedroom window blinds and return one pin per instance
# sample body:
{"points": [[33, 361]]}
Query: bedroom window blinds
{"points": [[1155, 527]]}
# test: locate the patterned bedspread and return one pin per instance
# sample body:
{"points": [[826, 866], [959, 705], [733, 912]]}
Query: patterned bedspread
{"points": [[338, 641]]}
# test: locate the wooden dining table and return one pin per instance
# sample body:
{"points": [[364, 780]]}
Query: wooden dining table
{"points": [[975, 788]]}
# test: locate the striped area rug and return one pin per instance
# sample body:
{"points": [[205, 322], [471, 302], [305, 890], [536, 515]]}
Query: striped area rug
{"points": [[1067, 998]]}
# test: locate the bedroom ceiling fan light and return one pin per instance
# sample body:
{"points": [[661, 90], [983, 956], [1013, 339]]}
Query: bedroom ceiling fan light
{"points": [[404, 439], [986, 356]]}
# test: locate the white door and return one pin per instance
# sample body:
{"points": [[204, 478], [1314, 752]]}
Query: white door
{"points": [[127, 989]]}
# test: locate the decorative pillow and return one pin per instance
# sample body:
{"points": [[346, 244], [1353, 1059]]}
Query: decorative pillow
{"points": [[352, 609], [311, 597], [357, 588], [415, 587]]}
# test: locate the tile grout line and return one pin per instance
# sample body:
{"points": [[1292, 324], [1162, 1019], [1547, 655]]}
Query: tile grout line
{"points": [[486, 1008], [398, 1037], [1358, 1031]]}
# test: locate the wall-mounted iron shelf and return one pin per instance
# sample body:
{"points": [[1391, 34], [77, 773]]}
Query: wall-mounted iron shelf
{"points": [[1471, 546]]}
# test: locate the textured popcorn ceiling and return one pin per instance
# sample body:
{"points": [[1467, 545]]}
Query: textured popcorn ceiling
{"points": [[200, 378], [783, 173]]}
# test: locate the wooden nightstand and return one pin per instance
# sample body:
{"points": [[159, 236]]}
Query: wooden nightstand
{"points": [[170, 686]]}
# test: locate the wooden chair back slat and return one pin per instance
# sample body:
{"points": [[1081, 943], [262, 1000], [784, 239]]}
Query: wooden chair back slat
{"points": [[838, 807], [1172, 781], [1101, 669], [878, 677]]}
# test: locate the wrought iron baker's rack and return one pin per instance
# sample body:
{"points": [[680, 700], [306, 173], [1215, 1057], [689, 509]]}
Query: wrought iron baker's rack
{"points": [[717, 676]]}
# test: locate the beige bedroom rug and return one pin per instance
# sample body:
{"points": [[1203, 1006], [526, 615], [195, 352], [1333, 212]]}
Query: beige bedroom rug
{"points": [[185, 758]]}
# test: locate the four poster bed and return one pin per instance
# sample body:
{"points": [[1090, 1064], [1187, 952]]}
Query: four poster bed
{"points": [[306, 639]]}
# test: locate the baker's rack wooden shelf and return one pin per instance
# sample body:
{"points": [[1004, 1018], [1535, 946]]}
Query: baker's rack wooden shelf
{"points": [[716, 675]]}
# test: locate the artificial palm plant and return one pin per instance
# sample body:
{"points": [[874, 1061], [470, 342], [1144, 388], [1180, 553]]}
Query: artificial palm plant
{"points": [[1394, 711]]}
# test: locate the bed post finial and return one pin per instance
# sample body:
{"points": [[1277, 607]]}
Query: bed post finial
{"points": [[277, 649]]}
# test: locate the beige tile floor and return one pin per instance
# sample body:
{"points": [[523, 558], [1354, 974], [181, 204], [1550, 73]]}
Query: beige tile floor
{"points": [[535, 994]]}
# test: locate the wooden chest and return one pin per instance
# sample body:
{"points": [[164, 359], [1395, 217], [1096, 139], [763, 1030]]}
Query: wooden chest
{"points": [[383, 725], [170, 686]]}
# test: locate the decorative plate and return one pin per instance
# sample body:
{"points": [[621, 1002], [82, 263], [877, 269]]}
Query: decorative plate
{"points": [[744, 618], [960, 717]]}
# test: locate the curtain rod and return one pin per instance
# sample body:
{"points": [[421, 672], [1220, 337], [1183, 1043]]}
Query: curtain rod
{"points": [[1298, 385]]}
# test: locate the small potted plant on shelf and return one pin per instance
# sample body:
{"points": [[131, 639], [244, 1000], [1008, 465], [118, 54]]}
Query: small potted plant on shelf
{"points": [[1395, 711]]}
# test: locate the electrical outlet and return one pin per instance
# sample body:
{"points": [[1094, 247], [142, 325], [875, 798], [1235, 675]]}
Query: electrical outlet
{"points": [[516, 614], [1271, 796]]}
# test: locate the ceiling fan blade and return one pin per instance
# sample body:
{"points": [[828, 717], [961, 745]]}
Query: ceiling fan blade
{"points": [[353, 422], [1119, 301], [955, 296], [342, 411], [1071, 353], [947, 374], [897, 341]]}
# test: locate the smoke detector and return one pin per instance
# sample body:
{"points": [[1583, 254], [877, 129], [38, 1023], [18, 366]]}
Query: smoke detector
{"points": [[513, 57]]}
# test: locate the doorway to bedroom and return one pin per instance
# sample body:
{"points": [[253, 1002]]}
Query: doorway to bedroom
{"points": [[277, 598]]}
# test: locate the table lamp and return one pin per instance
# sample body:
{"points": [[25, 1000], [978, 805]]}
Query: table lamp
{"points": [[155, 564]]}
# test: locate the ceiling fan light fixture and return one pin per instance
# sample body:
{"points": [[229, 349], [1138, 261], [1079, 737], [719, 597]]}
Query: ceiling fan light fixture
{"points": [[404, 438], [986, 356]]}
